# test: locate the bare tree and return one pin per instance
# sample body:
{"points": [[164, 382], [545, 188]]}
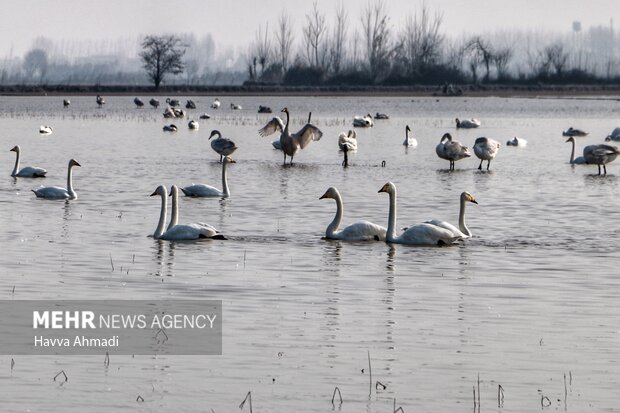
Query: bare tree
{"points": [[35, 64], [554, 57], [339, 38], [421, 40], [377, 37], [284, 40], [263, 48], [501, 58], [315, 38], [162, 55]]}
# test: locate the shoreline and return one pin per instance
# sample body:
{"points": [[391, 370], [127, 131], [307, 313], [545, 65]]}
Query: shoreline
{"points": [[610, 92]]}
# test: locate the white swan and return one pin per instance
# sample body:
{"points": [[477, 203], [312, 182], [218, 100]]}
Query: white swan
{"points": [[176, 232], [234, 106], [580, 160], [27, 171], [614, 135], [451, 150], [359, 231], [363, 121], [45, 130], [100, 100], [154, 102], [600, 155], [222, 146], [517, 142], [409, 140], [57, 192], [291, 144], [467, 123], [216, 104], [139, 103], [193, 125], [574, 132], [486, 149], [170, 128], [462, 231], [348, 141], [208, 191], [419, 234]]}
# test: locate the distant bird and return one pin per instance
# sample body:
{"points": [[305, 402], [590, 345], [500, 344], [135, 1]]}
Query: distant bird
{"points": [[45, 130], [363, 121], [600, 155], [66, 102], [154, 102], [190, 104], [580, 160], [173, 102], [216, 104], [517, 142], [347, 141], [27, 171], [264, 109], [574, 132], [381, 116], [170, 128], [409, 140], [486, 149], [193, 125], [139, 103], [291, 144], [235, 106], [100, 101], [174, 113], [57, 192], [222, 146], [359, 231], [467, 123], [205, 116], [451, 150], [613, 136]]}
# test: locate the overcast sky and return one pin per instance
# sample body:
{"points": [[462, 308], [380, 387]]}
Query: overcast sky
{"points": [[234, 23]]}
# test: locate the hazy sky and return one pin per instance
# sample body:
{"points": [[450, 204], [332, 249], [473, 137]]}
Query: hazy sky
{"points": [[235, 22]]}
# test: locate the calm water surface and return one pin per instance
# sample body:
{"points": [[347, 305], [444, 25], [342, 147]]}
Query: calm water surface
{"points": [[532, 297]]}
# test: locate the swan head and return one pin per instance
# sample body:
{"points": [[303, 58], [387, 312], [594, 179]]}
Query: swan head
{"points": [[15, 149], [466, 196], [352, 134], [285, 110], [572, 139], [608, 138], [174, 190], [458, 122], [408, 129], [330, 193], [161, 191], [73, 162], [446, 137], [388, 187], [228, 159], [215, 132], [341, 136]]}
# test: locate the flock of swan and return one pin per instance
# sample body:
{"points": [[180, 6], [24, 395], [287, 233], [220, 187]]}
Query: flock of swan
{"points": [[431, 232]]}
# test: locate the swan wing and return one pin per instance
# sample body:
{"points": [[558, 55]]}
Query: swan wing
{"points": [[202, 191], [187, 232], [426, 234], [455, 150], [446, 225], [31, 172], [307, 134], [362, 231], [52, 192], [272, 127], [223, 146]]}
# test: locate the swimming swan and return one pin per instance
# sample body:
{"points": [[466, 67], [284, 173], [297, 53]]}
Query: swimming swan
{"points": [[410, 141], [291, 144], [176, 232], [517, 142], [580, 160], [208, 191], [462, 231], [363, 121], [27, 171], [600, 155], [486, 149], [614, 135], [347, 141], [467, 123], [574, 132], [359, 231], [419, 234], [57, 192], [222, 146], [45, 130]]}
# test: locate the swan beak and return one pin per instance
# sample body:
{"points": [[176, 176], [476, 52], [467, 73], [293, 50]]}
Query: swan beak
{"points": [[383, 189], [474, 201], [567, 140], [154, 193], [13, 150], [323, 196], [76, 163]]}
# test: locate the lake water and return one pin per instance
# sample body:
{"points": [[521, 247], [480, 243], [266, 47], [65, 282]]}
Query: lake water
{"points": [[532, 297]]}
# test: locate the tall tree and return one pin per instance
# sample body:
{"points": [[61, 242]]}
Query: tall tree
{"points": [[315, 38], [377, 36], [284, 40], [35, 64], [339, 38], [161, 56]]}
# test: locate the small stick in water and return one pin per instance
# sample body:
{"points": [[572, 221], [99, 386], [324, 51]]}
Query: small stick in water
{"points": [[370, 374], [378, 383], [64, 374], [309, 116], [111, 262], [139, 399], [500, 396], [334, 395], [106, 360], [248, 397], [12, 365]]}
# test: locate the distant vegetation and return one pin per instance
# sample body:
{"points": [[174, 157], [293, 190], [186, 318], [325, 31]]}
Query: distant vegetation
{"points": [[338, 51]]}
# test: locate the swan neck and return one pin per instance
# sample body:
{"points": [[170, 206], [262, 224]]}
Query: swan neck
{"points": [[287, 120], [462, 225], [572, 152], [174, 217], [333, 227], [16, 168], [391, 232], [225, 189], [70, 181], [162, 216]]}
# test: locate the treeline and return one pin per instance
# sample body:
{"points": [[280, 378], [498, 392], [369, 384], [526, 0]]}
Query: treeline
{"points": [[372, 51]]}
